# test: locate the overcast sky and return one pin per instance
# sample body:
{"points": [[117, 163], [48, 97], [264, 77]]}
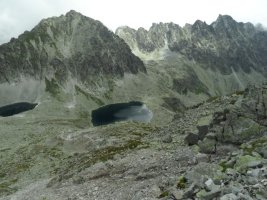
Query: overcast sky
{"points": [[16, 16]]}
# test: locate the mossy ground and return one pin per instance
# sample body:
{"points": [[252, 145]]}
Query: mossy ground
{"points": [[42, 154], [254, 145], [6, 187], [181, 184], [164, 194], [130, 136]]}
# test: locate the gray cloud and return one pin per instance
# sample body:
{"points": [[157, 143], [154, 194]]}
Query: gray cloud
{"points": [[16, 16]]}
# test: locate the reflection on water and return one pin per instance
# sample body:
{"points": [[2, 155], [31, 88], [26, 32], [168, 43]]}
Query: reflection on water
{"points": [[135, 111]]}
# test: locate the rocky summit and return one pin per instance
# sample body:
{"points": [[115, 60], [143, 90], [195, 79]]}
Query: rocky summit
{"points": [[70, 45], [203, 86]]}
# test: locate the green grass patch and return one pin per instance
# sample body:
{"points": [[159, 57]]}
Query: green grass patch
{"points": [[6, 189], [164, 194], [181, 182]]}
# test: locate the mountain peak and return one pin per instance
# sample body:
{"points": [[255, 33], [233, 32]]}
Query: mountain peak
{"points": [[224, 18], [73, 12], [224, 21], [71, 44]]}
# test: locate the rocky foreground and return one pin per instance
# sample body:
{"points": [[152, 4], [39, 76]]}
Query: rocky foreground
{"points": [[216, 150]]}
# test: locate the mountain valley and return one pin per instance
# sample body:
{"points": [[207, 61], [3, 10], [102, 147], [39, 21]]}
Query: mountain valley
{"points": [[205, 86]]}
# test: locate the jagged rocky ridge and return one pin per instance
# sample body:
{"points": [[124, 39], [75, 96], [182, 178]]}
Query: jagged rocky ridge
{"points": [[225, 47], [71, 45]]}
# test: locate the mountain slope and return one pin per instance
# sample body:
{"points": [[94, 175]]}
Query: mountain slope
{"points": [[67, 45], [71, 59], [222, 57]]}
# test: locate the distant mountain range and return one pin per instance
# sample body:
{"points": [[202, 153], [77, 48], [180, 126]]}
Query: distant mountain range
{"points": [[169, 63], [220, 50]]}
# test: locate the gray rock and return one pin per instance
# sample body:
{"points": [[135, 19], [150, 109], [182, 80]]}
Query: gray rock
{"points": [[252, 180], [235, 153], [231, 172], [210, 186], [167, 138], [190, 192], [202, 157], [191, 138], [254, 164], [219, 117], [209, 195], [177, 194], [230, 196], [235, 188], [78, 180], [247, 161], [203, 126], [238, 130], [254, 172], [260, 197], [264, 182], [263, 193], [243, 196], [207, 146], [262, 151], [230, 163], [211, 136], [257, 186], [201, 171], [202, 131]]}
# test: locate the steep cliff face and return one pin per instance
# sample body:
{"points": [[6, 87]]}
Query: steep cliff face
{"points": [[226, 51], [69, 45]]}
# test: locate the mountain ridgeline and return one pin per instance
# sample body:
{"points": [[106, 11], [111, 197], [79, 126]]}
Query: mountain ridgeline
{"points": [[223, 45], [70, 45], [223, 49]]}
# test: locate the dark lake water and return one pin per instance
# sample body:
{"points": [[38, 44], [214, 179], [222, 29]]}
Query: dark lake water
{"points": [[134, 110], [16, 108]]}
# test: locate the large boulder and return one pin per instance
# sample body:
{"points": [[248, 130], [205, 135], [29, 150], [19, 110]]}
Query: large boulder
{"points": [[191, 138], [246, 162], [203, 126], [238, 130]]}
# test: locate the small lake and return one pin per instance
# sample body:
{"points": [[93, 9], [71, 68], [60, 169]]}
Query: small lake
{"points": [[16, 108], [133, 111]]}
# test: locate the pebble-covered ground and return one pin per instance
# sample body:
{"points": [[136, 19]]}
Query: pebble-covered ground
{"points": [[216, 150]]}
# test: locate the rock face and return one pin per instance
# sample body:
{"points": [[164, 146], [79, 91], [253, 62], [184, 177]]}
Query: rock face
{"points": [[71, 45], [224, 49]]}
